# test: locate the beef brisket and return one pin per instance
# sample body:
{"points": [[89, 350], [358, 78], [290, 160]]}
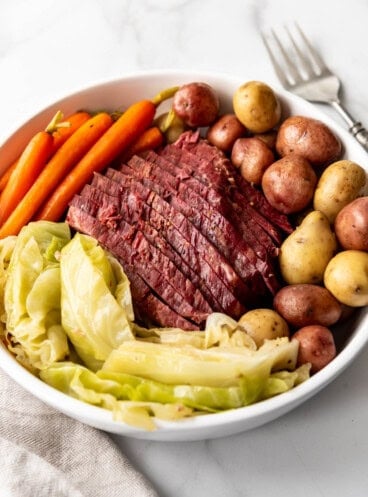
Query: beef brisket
{"points": [[192, 235], [197, 251]]}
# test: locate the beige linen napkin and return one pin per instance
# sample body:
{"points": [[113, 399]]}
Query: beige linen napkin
{"points": [[44, 453]]}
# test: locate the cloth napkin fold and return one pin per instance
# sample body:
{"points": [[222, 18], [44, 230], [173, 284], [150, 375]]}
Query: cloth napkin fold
{"points": [[44, 453]]}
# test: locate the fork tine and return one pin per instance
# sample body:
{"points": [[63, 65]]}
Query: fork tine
{"points": [[316, 58], [295, 75], [278, 69], [290, 66], [303, 60]]}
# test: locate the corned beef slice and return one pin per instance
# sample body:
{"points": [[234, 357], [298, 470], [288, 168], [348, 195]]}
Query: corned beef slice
{"points": [[239, 243], [138, 202], [191, 234], [212, 229], [191, 141]]}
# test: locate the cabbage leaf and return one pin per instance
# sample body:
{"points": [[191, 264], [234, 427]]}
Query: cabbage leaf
{"points": [[32, 295], [216, 366], [96, 305]]}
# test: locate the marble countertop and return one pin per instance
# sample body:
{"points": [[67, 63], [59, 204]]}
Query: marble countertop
{"points": [[50, 48]]}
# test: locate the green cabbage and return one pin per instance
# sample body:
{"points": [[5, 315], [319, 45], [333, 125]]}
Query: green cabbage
{"points": [[81, 383], [216, 366], [32, 295], [6, 249], [135, 400], [96, 304]]}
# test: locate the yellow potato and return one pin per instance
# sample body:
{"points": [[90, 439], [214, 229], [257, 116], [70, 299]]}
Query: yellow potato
{"points": [[256, 106], [340, 183], [305, 253], [346, 277], [264, 324]]}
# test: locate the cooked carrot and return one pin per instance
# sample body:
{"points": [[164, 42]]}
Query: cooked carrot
{"points": [[60, 135], [6, 175], [28, 167], [150, 139], [69, 154], [130, 125], [75, 121]]}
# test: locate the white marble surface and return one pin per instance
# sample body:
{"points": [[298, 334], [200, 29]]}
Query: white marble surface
{"points": [[49, 48]]}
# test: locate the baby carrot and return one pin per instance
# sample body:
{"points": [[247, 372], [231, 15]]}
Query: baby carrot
{"points": [[60, 135], [150, 139], [28, 167], [6, 175], [56, 169], [74, 121], [130, 125]]}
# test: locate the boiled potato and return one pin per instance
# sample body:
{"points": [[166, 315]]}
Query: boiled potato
{"points": [[340, 183], [253, 157], [197, 104], [256, 106], [305, 253], [309, 138], [289, 184], [351, 225], [225, 131], [264, 324], [316, 346], [346, 277], [306, 304], [269, 138]]}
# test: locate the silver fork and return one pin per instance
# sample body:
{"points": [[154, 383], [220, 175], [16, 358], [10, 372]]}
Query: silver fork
{"points": [[302, 71]]}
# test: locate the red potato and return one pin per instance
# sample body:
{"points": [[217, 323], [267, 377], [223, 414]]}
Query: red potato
{"points": [[351, 225], [316, 346], [253, 157], [289, 184], [309, 138], [306, 304], [269, 137], [197, 104], [225, 131]]}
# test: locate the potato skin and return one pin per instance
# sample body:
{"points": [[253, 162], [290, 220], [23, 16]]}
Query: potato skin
{"points": [[346, 277], [257, 106], [197, 104], [253, 157], [305, 253], [264, 324], [289, 183], [316, 346], [351, 225], [306, 304], [339, 184], [225, 131], [309, 138]]}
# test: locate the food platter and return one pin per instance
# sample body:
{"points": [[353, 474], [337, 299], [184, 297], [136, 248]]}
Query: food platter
{"points": [[117, 95]]}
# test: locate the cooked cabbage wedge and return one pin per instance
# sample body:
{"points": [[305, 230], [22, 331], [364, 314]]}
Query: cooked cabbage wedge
{"points": [[96, 306], [216, 366], [136, 400], [32, 294]]}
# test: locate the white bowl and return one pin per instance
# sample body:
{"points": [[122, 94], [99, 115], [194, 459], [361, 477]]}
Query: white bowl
{"points": [[117, 94]]}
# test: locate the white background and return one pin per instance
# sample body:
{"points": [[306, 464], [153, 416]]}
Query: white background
{"points": [[49, 48]]}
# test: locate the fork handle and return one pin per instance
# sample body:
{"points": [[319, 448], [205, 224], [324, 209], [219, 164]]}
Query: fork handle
{"points": [[359, 132]]}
